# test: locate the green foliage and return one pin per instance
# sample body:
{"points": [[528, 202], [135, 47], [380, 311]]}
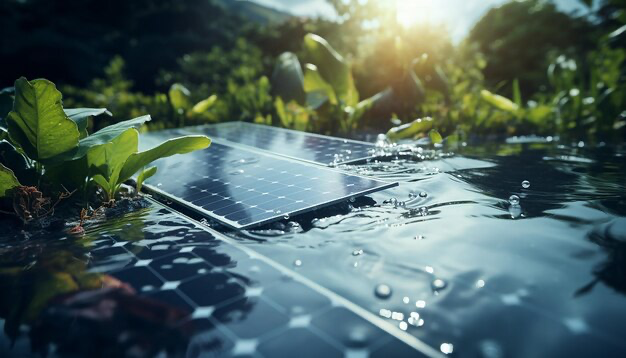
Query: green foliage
{"points": [[144, 175], [8, 181], [37, 123], [55, 143]]}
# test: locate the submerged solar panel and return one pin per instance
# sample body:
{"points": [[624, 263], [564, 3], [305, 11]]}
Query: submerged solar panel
{"points": [[243, 188], [295, 144]]}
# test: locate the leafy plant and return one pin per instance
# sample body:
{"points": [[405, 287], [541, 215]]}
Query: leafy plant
{"points": [[55, 142]]}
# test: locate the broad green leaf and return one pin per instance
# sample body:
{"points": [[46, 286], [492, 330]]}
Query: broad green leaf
{"points": [[179, 97], [108, 159], [434, 136], [517, 93], [37, 122], [204, 105], [318, 91], [287, 79], [410, 130], [103, 136], [144, 175], [332, 68], [8, 181], [81, 117], [499, 102], [180, 145]]}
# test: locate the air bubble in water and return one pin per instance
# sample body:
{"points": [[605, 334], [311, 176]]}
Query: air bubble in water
{"points": [[514, 199], [423, 194], [525, 184], [383, 291], [446, 348], [438, 284]]}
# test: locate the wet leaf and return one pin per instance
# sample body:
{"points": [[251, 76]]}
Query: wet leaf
{"points": [[38, 123], [81, 117], [410, 130], [181, 145]]}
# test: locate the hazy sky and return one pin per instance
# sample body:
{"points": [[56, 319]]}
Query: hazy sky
{"points": [[457, 15]]}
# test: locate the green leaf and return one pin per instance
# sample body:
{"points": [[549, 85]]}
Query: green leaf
{"points": [[204, 105], [517, 93], [8, 181], [434, 136], [179, 145], [108, 159], [37, 122], [144, 175], [318, 91], [332, 68], [179, 97], [410, 130], [81, 117], [499, 102], [103, 136], [287, 79]]}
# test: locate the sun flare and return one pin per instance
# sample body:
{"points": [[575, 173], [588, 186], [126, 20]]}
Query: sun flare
{"points": [[412, 12]]}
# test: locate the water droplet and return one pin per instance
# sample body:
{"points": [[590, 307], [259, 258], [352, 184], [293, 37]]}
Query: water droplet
{"points": [[383, 291], [297, 263], [286, 217], [525, 184], [403, 325], [438, 285], [419, 237], [420, 304], [423, 194], [424, 211], [446, 348], [480, 283], [237, 172], [406, 300], [514, 199], [358, 252]]}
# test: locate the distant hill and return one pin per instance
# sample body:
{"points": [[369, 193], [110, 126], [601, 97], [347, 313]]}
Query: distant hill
{"points": [[254, 12]]}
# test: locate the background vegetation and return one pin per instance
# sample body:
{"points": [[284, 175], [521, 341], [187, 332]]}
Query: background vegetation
{"points": [[525, 67]]}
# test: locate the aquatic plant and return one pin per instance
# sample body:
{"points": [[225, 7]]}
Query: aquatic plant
{"points": [[49, 146]]}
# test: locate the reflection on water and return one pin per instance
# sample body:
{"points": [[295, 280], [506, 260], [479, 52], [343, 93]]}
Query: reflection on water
{"points": [[496, 251], [508, 244]]}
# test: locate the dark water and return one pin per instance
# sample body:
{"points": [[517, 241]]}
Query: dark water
{"points": [[444, 257]]}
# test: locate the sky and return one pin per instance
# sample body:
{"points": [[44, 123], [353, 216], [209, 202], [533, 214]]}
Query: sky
{"points": [[457, 15]]}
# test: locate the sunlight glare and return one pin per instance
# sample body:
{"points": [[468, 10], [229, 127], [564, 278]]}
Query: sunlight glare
{"points": [[413, 12]]}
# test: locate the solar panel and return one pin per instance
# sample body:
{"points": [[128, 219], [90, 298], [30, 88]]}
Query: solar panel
{"points": [[311, 147], [243, 188]]}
